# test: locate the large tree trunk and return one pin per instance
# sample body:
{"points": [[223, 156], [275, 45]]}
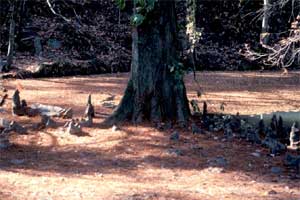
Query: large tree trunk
{"points": [[156, 89]]}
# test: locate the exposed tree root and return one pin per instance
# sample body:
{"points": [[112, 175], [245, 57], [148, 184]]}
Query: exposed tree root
{"points": [[151, 108]]}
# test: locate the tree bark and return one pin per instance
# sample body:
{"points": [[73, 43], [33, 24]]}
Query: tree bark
{"points": [[11, 40], [17, 8], [266, 15], [191, 30], [156, 90], [265, 34]]}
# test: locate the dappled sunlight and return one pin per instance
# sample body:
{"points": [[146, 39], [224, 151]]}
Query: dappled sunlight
{"points": [[149, 100], [244, 92], [247, 92], [132, 160], [141, 161]]}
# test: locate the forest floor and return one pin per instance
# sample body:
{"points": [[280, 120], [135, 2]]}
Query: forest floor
{"points": [[140, 162]]}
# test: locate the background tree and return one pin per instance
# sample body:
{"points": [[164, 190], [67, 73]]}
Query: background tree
{"points": [[283, 51], [16, 7], [265, 22], [11, 37], [155, 90]]}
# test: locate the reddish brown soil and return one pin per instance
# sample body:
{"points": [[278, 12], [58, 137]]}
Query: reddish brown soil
{"points": [[135, 162]]}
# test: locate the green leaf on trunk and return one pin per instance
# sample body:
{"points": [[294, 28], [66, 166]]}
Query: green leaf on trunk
{"points": [[137, 19], [121, 4]]}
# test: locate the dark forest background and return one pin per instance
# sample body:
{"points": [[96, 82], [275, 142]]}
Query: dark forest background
{"points": [[99, 30]]}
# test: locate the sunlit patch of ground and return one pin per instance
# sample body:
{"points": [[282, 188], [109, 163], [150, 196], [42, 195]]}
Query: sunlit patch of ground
{"points": [[249, 92], [141, 162]]}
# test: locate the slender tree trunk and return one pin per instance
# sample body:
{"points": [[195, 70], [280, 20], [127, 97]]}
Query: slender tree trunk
{"points": [[191, 30], [265, 35], [11, 42], [156, 89], [192, 37], [265, 21], [17, 8]]}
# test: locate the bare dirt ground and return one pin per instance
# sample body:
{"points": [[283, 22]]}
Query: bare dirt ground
{"points": [[140, 162]]}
